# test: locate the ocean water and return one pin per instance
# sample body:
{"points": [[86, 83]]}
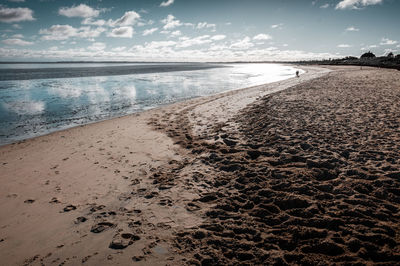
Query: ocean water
{"points": [[36, 105]]}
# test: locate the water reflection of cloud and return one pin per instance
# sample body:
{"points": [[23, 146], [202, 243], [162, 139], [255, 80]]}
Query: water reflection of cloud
{"points": [[65, 88], [99, 98], [128, 92], [25, 107]]}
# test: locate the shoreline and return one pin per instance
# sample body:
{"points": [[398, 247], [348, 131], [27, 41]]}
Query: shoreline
{"points": [[33, 136], [109, 191]]}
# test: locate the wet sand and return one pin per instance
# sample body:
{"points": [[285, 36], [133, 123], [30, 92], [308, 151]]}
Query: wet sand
{"points": [[262, 175]]}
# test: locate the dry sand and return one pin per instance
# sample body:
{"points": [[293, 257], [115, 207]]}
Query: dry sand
{"points": [[253, 176]]}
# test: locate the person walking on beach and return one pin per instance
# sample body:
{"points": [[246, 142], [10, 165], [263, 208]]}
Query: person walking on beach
{"points": [[297, 74]]}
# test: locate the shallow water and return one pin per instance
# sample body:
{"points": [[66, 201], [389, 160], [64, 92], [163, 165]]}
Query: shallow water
{"points": [[50, 71], [35, 107]]}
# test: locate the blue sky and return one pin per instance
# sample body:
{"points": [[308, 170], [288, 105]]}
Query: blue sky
{"points": [[194, 30]]}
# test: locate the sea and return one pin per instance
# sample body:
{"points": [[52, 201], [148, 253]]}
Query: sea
{"points": [[40, 98]]}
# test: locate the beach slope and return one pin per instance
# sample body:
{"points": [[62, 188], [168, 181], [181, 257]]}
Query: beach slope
{"points": [[260, 175]]}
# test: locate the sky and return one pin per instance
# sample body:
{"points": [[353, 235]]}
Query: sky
{"points": [[196, 30]]}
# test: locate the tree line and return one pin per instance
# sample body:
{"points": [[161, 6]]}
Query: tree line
{"points": [[367, 59]]}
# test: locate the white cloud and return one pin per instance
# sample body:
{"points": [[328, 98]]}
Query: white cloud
{"points": [[18, 36], [128, 19], [81, 10], [242, 44], [58, 32], [155, 45], [166, 51], [167, 3], [389, 50], [149, 31], [356, 4], [187, 42], [16, 26], [386, 41], [351, 28], [118, 49], [88, 32], [344, 46], [277, 26], [202, 25], [369, 47], [121, 32], [218, 47], [90, 21], [218, 37], [162, 44], [16, 41], [176, 33], [170, 22], [262, 36], [97, 46], [17, 1], [63, 32], [324, 6], [10, 15]]}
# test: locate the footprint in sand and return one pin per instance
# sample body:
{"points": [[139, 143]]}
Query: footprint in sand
{"points": [[54, 200], [151, 195], [29, 201], [192, 207], [163, 226], [164, 202], [97, 208], [69, 208], [80, 219], [135, 182], [135, 224], [121, 241], [100, 227], [138, 258]]}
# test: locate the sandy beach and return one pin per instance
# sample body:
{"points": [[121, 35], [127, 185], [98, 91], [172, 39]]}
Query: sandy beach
{"points": [[301, 171]]}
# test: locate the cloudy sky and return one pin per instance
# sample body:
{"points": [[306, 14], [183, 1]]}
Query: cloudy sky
{"points": [[196, 30]]}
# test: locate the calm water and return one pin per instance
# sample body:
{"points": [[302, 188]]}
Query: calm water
{"points": [[38, 106]]}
